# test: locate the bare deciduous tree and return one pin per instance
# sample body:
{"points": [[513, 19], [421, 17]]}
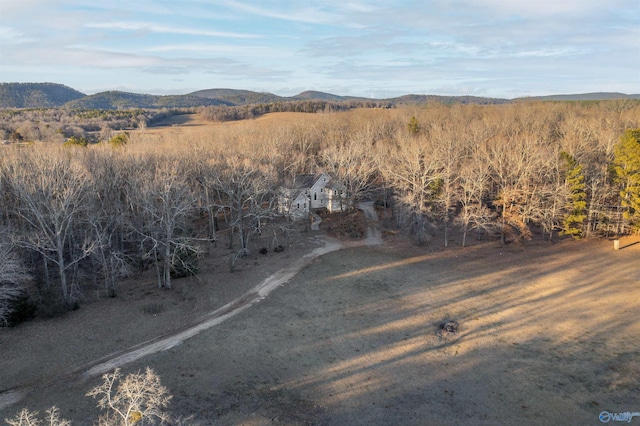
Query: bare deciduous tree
{"points": [[12, 278], [473, 185], [139, 397], [352, 167], [412, 170], [30, 418], [165, 201], [450, 145], [248, 195], [52, 191], [108, 211]]}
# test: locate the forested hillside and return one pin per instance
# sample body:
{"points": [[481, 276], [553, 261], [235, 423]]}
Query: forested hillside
{"points": [[124, 100], [48, 95], [73, 218], [36, 95], [238, 97], [597, 96]]}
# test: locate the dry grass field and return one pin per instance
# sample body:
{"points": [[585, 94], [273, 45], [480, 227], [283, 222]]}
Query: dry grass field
{"points": [[186, 125], [195, 129], [548, 335]]}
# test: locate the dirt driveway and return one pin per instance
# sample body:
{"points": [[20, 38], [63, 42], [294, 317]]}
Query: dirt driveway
{"points": [[548, 335]]}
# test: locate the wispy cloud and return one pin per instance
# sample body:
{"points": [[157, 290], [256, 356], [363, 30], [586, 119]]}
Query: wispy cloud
{"points": [[306, 14], [222, 49], [165, 29], [490, 47], [11, 36]]}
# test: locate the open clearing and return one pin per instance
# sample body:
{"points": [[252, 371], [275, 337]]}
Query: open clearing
{"points": [[548, 335], [195, 128], [186, 123]]}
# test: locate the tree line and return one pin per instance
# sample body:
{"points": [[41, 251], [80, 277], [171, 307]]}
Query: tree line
{"points": [[59, 124], [246, 112], [77, 217]]}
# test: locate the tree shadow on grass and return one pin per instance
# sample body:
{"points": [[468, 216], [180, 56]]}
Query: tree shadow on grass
{"points": [[353, 339]]}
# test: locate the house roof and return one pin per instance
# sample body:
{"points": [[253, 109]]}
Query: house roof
{"points": [[305, 181], [297, 193], [335, 185]]}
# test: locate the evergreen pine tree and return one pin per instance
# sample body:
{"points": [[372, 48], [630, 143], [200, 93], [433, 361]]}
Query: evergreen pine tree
{"points": [[413, 126], [626, 167], [576, 214]]}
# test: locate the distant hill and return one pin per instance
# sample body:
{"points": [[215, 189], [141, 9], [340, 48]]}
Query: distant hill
{"points": [[36, 95], [422, 99], [238, 97], [596, 96], [50, 95], [243, 97], [125, 100], [313, 95], [235, 97]]}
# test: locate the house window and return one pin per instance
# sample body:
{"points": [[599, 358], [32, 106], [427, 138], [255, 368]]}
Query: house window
{"points": [[321, 189], [315, 195], [298, 205]]}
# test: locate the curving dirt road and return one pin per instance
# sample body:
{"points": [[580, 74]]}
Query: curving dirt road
{"points": [[216, 317], [374, 236], [167, 341]]}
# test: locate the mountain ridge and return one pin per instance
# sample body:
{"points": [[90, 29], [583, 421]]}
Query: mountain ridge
{"points": [[36, 95], [52, 95], [125, 100], [590, 96]]}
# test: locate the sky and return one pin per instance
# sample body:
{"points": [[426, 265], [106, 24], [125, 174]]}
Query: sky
{"points": [[373, 48]]}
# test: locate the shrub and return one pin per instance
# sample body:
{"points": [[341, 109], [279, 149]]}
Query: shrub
{"points": [[13, 276], [15, 306], [185, 262], [51, 304], [153, 308], [30, 418], [138, 398], [119, 140], [74, 141], [8, 295]]}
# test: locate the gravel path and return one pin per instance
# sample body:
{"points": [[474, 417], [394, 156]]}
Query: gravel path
{"points": [[374, 236], [168, 341]]}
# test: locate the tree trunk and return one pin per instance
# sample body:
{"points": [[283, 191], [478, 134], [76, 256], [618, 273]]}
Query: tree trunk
{"points": [[61, 270], [111, 279], [504, 223], [47, 281], [446, 232], [464, 236], [157, 264], [167, 254], [167, 266], [212, 216]]}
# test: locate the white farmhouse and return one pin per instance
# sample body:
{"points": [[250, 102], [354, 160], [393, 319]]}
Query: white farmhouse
{"points": [[310, 192]]}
